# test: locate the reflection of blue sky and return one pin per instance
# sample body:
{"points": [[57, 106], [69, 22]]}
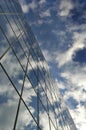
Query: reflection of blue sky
{"points": [[60, 29]]}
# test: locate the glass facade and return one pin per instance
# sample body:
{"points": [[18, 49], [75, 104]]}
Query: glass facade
{"points": [[29, 96]]}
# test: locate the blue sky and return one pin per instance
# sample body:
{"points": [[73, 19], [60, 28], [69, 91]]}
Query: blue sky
{"points": [[60, 29]]}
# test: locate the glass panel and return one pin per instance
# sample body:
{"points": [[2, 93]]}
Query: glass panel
{"points": [[10, 8], [3, 5], [20, 54], [16, 5], [13, 68], [33, 54], [33, 64], [52, 113], [43, 97], [39, 73], [49, 96], [30, 98], [11, 18], [25, 121], [42, 69], [8, 102], [21, 21], [52, 126], [32, 76], [43, 118], [14, 2], [26, 40], [13, 25], [6, 27], [60, 119], [23, 45], [3, 44], [64, 118]]}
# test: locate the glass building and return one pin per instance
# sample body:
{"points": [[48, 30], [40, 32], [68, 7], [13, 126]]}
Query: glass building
{"points": [[29, 96]]}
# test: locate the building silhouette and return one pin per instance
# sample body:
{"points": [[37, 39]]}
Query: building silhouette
{"points": [[29, 96]]}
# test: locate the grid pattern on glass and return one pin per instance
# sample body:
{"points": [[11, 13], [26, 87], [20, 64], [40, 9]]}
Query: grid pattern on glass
{"points": [[28, 88]]}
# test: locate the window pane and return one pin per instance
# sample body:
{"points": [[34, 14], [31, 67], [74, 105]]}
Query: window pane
{"points": [[4, 24], [3, 44], [30, 98], [20, 54], [43, 98], [32, 76], [23, 45], [52, 114], [52, 126], [13, 68], [43, 118], [8, 102], [25, 121]]}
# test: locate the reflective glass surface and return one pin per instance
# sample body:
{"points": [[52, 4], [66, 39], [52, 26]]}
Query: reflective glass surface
{"points": [[13, 68], [25, 120], [8, 102]]}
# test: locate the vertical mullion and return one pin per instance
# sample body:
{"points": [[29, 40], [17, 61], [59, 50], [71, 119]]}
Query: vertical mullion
{"points": [[37, 97]]}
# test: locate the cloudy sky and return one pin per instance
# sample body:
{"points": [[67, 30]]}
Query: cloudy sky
{"points": [[60, 28]]}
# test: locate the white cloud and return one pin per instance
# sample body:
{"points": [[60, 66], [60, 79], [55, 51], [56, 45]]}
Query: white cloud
{"points": [[79, 116], [78, 43], [40, 22], [60, 84], [45, 13], [32, 5], [42, 2], [76, 75], [47, 55], [76, 87], [26, 7], [61, 33], [75, 28], [65, 7]]}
